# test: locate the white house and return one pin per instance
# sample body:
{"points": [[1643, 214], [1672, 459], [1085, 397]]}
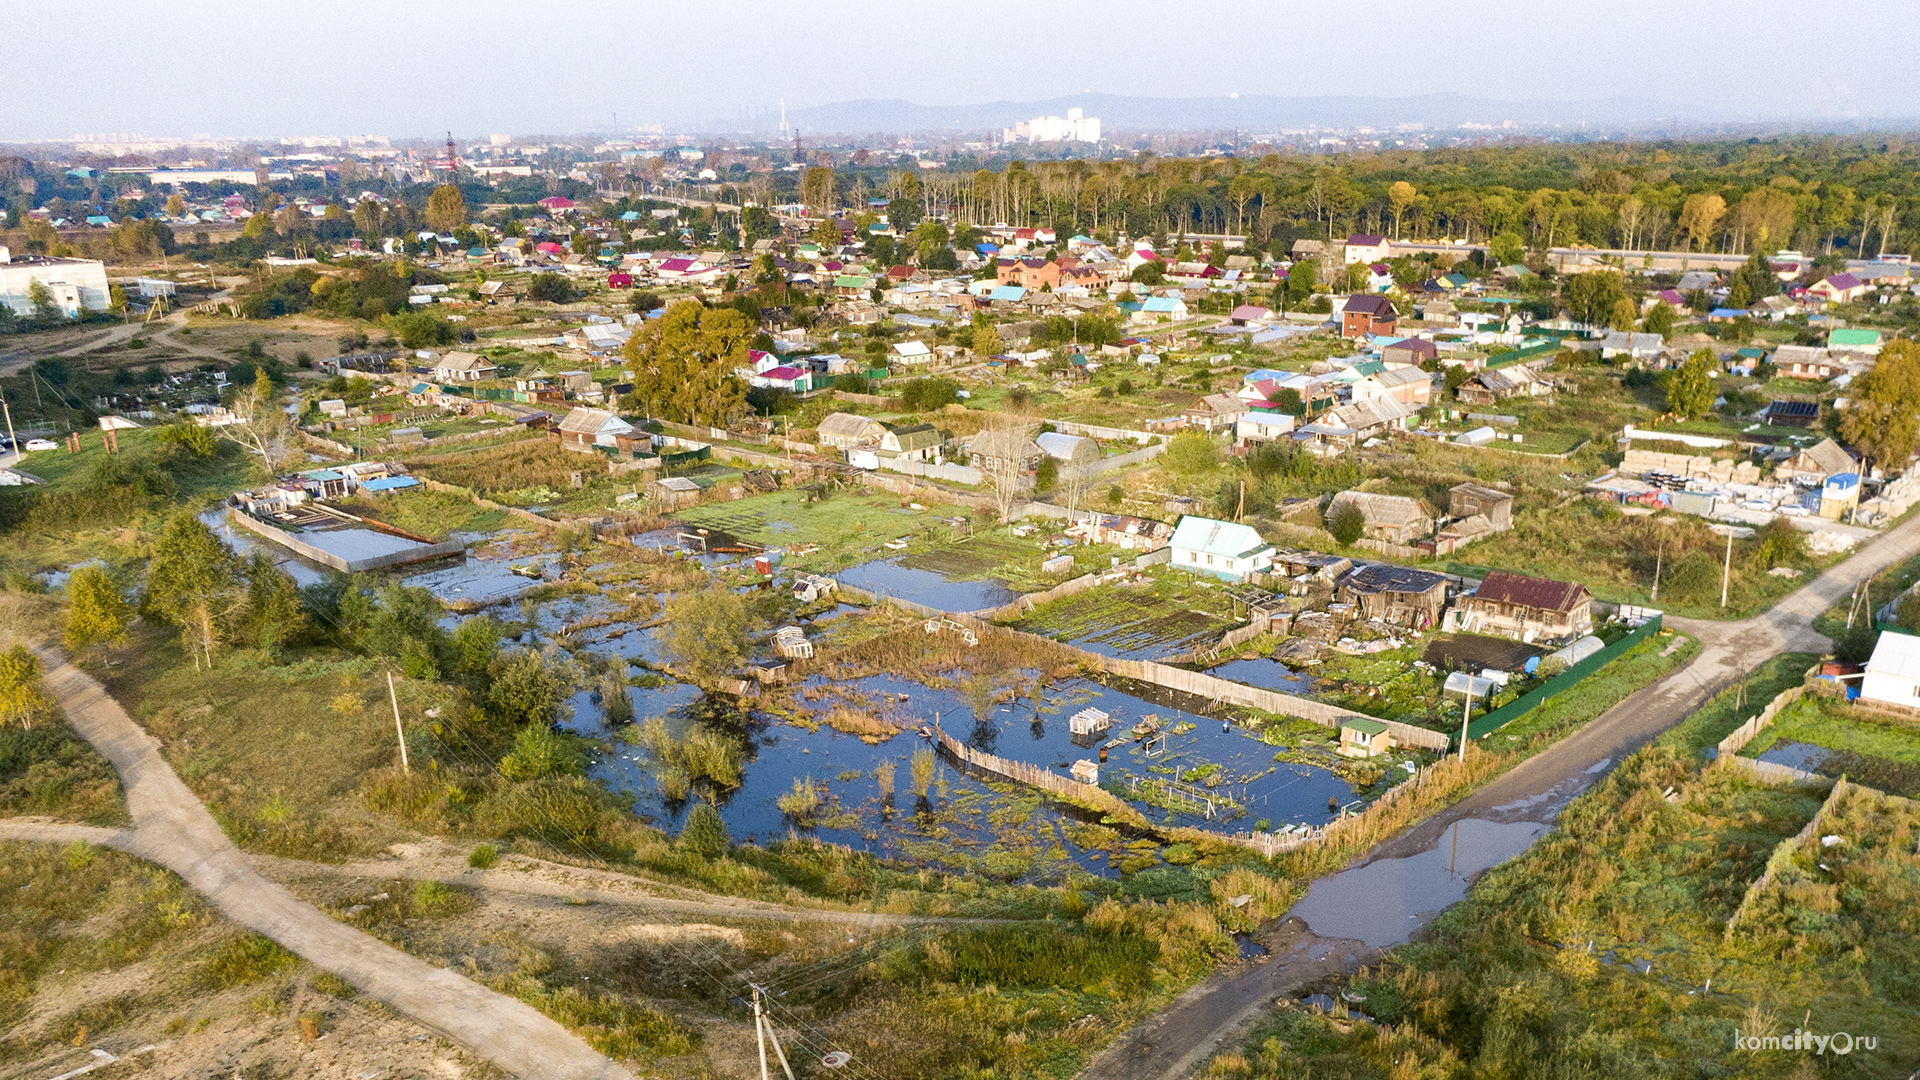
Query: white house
{"points": [[1893, 673], [912, 352], [73, 285], [1225, 549], [583, 429], [463, 367], [1367, 248]]}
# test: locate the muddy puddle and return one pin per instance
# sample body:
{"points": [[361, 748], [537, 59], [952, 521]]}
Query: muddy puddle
{"points": [[1385, 901], [482, 582]]}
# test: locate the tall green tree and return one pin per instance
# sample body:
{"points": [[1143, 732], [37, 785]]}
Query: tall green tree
{"points": [[197, 584], [685, 362], [707, 632], [1690, 387], [1882, 421]]}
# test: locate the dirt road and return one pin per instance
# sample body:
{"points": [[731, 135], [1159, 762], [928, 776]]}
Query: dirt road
{"points": [[1412, 877], [172, 828]]}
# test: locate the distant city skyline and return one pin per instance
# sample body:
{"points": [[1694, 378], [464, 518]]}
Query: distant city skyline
{"points": [[219, 67]]}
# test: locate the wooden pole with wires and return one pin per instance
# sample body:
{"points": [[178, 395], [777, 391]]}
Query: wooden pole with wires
{"points": [[398, 731], [763, 1032]]}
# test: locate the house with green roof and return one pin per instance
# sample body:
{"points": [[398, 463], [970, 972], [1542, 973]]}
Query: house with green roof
{"points": [[1857, 340], [1224, 549]]}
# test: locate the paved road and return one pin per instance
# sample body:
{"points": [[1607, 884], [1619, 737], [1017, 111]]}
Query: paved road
{"points": [[1521, 803], [172, 828]]}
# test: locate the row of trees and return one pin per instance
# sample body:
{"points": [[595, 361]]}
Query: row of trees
{"points": [[1814, 194]]}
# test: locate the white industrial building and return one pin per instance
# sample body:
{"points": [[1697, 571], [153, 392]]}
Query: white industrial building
{"points": [[1076, 127], [1893, 672], [76, 285]]}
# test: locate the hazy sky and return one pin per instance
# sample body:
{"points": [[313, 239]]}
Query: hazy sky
{"points": [[414, 67]]}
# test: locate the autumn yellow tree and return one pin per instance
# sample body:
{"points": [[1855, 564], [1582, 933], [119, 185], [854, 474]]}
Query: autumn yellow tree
{"points": [[446, 208]]}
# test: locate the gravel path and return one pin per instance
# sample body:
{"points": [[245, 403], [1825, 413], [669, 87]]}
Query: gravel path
{"points": [[172, 828]]}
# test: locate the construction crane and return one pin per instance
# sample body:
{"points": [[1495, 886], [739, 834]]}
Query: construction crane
{"points": [[451, 162]]}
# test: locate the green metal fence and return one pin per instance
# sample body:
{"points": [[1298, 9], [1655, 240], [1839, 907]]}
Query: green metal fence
{"points": [[1561, 683]]}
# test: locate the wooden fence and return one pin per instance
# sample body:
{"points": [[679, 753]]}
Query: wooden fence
{"points": [[1731, 746], [1087, 795], [1783, 854], [1028, 601]]}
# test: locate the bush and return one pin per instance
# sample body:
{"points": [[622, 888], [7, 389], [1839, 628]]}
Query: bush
{"points": [[247, 958], [926, 395], [1347, 523], [539, 751], [550, 288], [1192, 451], [484, 857], [705, 834]]}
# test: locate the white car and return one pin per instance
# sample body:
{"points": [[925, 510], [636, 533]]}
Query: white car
{"points": [[42, 444]]}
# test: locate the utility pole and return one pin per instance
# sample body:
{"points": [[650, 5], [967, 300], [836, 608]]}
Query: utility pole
{"points": [[1726, 571], [763, 1032], [13, 443], [1466, 710], [398, 731], [1657, 559]]}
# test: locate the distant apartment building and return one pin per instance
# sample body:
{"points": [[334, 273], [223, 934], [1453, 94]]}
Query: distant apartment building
{"points": [[1075, 127]]}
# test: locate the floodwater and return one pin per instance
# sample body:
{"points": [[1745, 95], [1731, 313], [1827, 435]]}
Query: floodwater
{"points": [[886, 577], [1795, 755], [245, 544], [353, 543], [1383, 902], [481, 581], [1267, 674]]}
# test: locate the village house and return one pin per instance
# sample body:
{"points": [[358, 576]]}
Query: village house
{"points": [[1364, 737], [1893, 672], [1224, 549], [1411, 352], [849, 431], [1498, 384], [1075, 451], [1393, 594], [1525, 608], [1392, 519], [585, 430], [1123, 531], [995, 450], [1262, 425], [1367, 315], [1214, 412], [914, 442], [1028, 273], [1839, 289], [1620, 343], [1466, 500], [1806, 362], [1408, 385], [1367, 248], [1853, 340], [1817, 462], [463, 367]]}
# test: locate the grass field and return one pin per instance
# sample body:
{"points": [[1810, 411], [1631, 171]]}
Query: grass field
{"points": [[1872, 749], [1588, 955], [1729, 709]]}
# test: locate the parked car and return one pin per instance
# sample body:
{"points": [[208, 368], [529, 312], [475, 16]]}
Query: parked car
{"points": [[42, 444]]}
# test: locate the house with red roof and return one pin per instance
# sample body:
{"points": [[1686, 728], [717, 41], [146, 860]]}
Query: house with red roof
{"points": [[556, 204], [1524, 608]]}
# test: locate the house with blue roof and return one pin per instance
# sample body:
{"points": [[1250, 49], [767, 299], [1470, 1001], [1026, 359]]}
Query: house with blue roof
{"points": [[1227, 550], [1157, 308], [1008, 294]]}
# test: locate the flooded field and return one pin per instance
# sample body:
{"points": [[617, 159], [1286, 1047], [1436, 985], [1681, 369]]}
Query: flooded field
{"points": [[480, 581], [245, 544], [1145, 618], [1265, 673], [893, 577]]}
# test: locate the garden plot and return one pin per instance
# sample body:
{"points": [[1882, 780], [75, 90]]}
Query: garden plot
{"points": [[1144, 619], [1834, 739]]}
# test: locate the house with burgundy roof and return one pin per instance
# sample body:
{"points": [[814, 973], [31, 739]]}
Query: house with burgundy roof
{"points": [[1368, 315], [1524, 608]]}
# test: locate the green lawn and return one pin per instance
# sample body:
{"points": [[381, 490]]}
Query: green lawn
{"points": [[1729, 709]]}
